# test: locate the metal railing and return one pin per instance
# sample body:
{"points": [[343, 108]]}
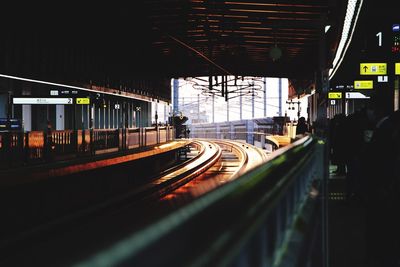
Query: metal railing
{"points": [[106, 139], [247, 222], [18, 148]]}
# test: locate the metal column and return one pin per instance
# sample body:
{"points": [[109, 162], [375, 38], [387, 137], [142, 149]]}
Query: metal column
{"points": [[280, 96], [227, 110], [265, 96], [176, 96], [252, 102], [213, 108], [240, 106]]}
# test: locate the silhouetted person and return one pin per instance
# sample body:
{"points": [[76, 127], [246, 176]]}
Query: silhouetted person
{"points": [[382, 175], [356, 135], [338, 143], [302, 126]]}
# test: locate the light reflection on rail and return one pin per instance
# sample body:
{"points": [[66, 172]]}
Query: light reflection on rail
{"points": [[237, 158]]}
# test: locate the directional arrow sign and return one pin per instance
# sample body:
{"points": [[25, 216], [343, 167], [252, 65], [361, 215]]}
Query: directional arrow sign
{"points": [[334, 95], [363, 84], [83, 101], [373, 68]]}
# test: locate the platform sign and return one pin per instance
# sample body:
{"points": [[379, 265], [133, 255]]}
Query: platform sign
{"points": [[373, 68], [397, 68], [356, 95], [42, 101], [366, 84], [335, 95], [53, 92], [83, 101], [382, 79]]}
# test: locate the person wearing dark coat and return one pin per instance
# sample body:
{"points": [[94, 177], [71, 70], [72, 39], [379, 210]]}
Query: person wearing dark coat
{"points": [[302, 126], [382, 189]]}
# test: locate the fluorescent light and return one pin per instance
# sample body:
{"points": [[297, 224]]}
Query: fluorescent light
{"points": [[71, 86], [347, 33]]}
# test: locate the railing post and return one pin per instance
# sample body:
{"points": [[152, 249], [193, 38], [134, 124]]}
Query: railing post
{"points": [[91, 140], [157, 135], [125, 139], [73, 142], [145, 137], [262, 140], [140, 137], [46, 145], [167, 133], [83, 144], [120, 139], [26, 147]]}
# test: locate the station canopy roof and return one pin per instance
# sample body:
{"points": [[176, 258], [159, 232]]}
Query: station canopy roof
{"points": [[181, 38], [248, 37]]}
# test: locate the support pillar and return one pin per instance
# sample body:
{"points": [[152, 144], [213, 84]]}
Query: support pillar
{"points": [[240, 107], [60, 117], [27, 117], [280, 96], [265, 96], [227, 110], [213, 108], [252, 102], [176, 97]]}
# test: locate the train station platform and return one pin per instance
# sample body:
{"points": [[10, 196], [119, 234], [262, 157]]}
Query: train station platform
{"points": [[17, 175]]}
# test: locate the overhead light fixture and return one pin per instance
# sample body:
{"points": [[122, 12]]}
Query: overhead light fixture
{"points": [[275, 53], [327, 27]]}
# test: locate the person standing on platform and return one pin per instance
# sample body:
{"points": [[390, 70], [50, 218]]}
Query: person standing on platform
{"points": [[357, 135], [338, 143], [382, 174], [302, 126]]}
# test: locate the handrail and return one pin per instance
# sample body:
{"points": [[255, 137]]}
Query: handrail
{"points": [[221, 227]]}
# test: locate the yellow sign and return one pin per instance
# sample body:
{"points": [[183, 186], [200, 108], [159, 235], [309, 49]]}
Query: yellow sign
{"points": [[373, 68], [83, 101], [363, 84], [334, 95], [397, 72]]}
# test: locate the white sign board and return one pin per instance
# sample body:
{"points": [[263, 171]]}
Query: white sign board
{"points": [[383, 79], [42, 101], [355, 95]]}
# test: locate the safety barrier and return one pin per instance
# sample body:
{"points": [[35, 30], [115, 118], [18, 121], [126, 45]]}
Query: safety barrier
{"points": [[247, 222], [17, 148]]}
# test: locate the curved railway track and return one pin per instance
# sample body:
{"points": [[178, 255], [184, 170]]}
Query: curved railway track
{"points": [[212, 163], [236, 159]]}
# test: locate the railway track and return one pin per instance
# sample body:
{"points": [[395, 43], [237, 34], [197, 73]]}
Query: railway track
{"points": [[211, 163]]}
